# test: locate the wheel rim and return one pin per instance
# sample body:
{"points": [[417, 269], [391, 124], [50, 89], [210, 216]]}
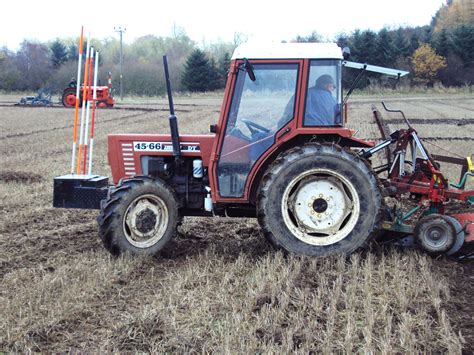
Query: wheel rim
{"points": [[70, 100], [145, 221], [320, 207], [436, 236]]}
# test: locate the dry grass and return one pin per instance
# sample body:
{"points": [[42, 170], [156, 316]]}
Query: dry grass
{"points": [[214, 301], [218, 287]]}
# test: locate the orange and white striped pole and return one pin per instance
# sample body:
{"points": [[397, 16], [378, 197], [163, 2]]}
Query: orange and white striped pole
{"points": [[76, 112], [83, 109], [94, 105], [88, 110]]}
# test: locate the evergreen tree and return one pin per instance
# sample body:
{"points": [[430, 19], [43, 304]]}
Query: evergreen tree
{"points": [[364, 44], [343, 40], [400, 47], [313, 37], [384, 49], [414, 42], [223, 68], [214, 82], [463, 44], [59, 53], [442, 43], [73, 52], [199, 74], [357, 46]]}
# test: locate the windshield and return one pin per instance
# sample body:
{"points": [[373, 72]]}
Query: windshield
{"points": [[268, 101], [258, 110]]}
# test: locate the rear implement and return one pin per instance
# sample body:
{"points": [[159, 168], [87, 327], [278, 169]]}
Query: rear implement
{"points": [[413, 175]]}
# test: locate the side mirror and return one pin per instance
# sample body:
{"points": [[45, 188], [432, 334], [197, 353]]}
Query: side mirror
{"points": [[249, 69], [346, 53]]}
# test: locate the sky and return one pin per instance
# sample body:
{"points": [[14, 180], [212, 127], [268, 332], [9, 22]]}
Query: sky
{"points": [[206, 21]]}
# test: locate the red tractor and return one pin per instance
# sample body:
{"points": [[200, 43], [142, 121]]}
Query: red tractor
{"points": [[280, 153], [104, 94]]}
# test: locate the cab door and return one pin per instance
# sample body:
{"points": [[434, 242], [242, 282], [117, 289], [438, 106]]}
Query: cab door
{"points": [[257, 110]]}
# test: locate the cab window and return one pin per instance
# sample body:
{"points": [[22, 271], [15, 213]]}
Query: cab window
{"points": [[323, 97]]}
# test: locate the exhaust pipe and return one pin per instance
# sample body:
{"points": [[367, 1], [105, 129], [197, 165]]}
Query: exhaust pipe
{"points": [[172, 118]]}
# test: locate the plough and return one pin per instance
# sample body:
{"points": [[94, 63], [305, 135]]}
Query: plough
{"points": [[414, 175]]}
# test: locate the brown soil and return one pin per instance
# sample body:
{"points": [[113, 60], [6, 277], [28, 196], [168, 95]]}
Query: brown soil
{"points": [[461, 307], [431, 122], [20, 177]]}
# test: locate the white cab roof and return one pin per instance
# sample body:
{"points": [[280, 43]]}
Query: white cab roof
{"points": [[288, 51]]}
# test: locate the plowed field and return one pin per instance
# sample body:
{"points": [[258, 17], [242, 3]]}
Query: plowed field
{"points": [[218, 286]]}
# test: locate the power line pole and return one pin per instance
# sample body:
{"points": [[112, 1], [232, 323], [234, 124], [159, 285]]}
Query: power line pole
{"points": [[121, 31]]}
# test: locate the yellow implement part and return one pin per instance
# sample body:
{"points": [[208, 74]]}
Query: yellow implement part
{"points": [[470, 165]]}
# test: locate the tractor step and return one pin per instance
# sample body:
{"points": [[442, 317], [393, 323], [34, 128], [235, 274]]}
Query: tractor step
{"points": [[80, 191]]}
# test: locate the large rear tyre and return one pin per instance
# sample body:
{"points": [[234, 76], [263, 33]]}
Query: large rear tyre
{"points": [[139, 217], [319, 200], [69, 97]]}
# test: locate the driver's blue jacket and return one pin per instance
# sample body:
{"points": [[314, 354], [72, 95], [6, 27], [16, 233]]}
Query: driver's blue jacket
{"points": [[321, 108]]}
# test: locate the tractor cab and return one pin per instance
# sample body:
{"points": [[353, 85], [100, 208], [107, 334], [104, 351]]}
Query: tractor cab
{"points": [[275, 91]]}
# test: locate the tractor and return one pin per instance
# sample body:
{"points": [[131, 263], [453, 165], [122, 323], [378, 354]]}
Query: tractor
{"points": [[279, 153], [105, 97]]}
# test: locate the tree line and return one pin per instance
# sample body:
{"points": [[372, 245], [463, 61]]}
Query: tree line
{"points": [[440, 52]]}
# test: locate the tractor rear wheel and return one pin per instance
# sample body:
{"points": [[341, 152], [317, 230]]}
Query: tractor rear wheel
{"points": [[139, 217], [69, 97], [319, 200]]}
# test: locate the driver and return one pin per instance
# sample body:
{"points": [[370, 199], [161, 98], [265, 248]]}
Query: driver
{"points": [[72, 83], [321, 106]]}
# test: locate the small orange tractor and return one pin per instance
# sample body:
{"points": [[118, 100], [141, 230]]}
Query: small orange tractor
{"points": [[104, 94]]}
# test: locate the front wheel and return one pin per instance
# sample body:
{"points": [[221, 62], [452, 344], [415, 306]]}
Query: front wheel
{"points": [[319, 200], [139, 217]]}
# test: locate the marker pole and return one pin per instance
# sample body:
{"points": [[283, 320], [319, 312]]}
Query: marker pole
{"points": [[94, 106], [83, 108], [88, 111], [76, 112]]}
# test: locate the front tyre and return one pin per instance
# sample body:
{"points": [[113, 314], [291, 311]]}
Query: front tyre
{"points": [[139, 217], [319, 200]]}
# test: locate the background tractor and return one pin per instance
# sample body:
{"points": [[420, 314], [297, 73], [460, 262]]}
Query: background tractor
{"points": [[105, 97], [280, 153]]}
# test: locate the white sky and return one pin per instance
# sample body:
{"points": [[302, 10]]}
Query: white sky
{"points": [[206, 21]]}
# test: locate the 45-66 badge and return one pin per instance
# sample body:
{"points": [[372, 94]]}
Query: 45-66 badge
{"points": [[165, 146]]}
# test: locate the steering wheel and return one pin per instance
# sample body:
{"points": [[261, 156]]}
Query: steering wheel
{"points": [[254, 127]]}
